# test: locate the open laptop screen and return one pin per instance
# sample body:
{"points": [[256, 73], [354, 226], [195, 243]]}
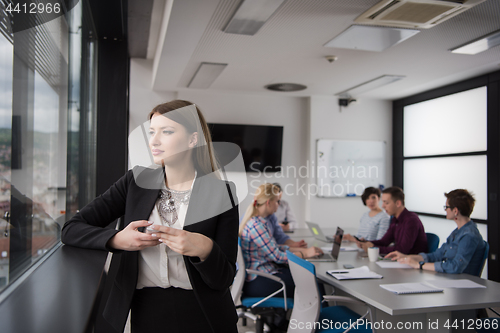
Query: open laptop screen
{"points": [[337, 241]]}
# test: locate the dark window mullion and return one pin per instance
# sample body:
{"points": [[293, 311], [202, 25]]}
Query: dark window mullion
{"points": [[474, 153]]}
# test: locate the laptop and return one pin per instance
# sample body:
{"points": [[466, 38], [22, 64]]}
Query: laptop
{"points": [[318, 233], [334, 255]]}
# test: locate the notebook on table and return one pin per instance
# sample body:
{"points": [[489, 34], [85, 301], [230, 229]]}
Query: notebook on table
{"points": [[362, 272], [334, 254], [411, 288]]}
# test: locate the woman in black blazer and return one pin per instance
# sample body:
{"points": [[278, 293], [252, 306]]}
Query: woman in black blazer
{"points": [[174, 277]]}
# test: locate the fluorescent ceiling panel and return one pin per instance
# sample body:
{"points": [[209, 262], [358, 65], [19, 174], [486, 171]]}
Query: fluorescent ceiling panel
{"points": [[358, 37], [370, 85], [251, 16], [480, 45], [206, 75]]}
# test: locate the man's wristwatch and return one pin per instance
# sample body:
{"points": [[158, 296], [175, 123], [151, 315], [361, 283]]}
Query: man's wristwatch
{"points": [[421, 263]]}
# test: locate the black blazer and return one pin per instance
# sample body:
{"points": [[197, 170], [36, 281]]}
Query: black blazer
{"points": [[210, 279]]}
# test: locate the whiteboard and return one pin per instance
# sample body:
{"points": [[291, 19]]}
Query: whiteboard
{"points": [[346, 168]]}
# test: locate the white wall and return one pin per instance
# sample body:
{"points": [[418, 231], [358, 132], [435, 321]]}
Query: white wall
{"points": [[367, 119], [289, 112], [142, 99], [304, 120]]}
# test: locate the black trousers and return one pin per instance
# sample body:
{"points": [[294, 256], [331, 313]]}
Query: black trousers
{"points": [[261, 286], [172, 310]]}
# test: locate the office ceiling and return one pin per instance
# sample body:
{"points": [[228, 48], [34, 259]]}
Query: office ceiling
{"points": [[289, 48]]}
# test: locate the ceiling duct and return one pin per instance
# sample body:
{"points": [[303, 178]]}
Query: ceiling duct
{"points": [[421, 14]]}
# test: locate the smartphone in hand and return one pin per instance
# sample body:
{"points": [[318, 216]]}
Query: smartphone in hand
{"points": [[359, 240]]}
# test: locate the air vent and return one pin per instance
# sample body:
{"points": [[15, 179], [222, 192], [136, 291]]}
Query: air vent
{"points": [[423, 14], [286, 87]]}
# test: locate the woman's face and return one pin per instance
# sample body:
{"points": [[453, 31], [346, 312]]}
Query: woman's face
{"points": [[449, 212], [372, 201], [169, 141]]}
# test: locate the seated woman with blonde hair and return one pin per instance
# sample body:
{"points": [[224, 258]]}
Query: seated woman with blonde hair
{"points": [[260, 249], [464, 248]]}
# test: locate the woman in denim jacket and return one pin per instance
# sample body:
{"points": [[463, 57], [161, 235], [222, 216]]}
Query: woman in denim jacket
{"points": [[464, 249]]}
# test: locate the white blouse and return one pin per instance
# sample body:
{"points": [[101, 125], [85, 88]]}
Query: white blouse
{"points": [[159, 266]]}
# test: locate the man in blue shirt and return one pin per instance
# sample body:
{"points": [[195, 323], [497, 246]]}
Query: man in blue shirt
{"points": [[280, 236], [463, 251]]}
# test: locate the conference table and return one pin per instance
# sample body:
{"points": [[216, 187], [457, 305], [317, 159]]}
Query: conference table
{"points": [[447, 311]]}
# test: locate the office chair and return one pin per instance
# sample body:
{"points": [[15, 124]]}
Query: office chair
{"points": [[482, 313], [485, 256], [307, 304], [255, 308], [432, 242]]}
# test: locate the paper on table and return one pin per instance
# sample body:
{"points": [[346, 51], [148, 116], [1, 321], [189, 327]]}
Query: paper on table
{"points": [[392, 264], [460, 283], [362, 272], [349, 249], [410, 288]]}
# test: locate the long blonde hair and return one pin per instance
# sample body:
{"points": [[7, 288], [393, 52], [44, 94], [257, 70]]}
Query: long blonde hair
{"points": [[264, 193]]}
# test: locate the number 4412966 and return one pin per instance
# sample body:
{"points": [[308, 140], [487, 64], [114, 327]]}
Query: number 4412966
{"points": [[473, 324], [34, 8]]}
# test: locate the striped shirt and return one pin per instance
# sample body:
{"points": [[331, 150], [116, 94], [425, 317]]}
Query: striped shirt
{"points": [[260, 249], [373, 228]]}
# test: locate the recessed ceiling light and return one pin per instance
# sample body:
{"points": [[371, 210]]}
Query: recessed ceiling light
{"points": [[251, 16], [366, 38], [206, 75], [286, 87], [370, 85], [479, 45]]}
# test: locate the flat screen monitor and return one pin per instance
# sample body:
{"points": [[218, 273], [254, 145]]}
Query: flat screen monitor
{"points": [[261, 146]]}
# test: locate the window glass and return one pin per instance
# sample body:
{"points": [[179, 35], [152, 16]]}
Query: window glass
{"points": [[6, 66], [427, 179], [451, 124], [46, 111], [49, 165]]}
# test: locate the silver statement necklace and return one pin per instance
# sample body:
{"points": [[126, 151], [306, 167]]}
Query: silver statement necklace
{"points": [[169, 202]]}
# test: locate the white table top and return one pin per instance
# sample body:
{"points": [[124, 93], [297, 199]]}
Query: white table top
{"points": [[369, 291]]}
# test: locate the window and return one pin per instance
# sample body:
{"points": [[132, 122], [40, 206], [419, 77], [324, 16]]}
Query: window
{"points": [[39, 119], [444, 148]]}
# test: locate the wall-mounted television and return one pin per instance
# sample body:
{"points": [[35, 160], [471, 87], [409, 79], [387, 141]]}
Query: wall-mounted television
{"points": [[261, 146]]}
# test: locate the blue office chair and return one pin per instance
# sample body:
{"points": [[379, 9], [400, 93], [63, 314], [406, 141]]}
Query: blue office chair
{"points": [[307, 304], [254, 308], [485, 256], [432, 242]]}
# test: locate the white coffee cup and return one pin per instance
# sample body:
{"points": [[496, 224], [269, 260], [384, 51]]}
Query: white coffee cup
{"points": [[373, 253]]}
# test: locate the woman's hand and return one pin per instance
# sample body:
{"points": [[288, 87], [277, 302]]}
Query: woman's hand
{"points": [[409, 260], [131, 239], [312, 252], [364, 245], [349, 238], [187, 243], [395, 255]]}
